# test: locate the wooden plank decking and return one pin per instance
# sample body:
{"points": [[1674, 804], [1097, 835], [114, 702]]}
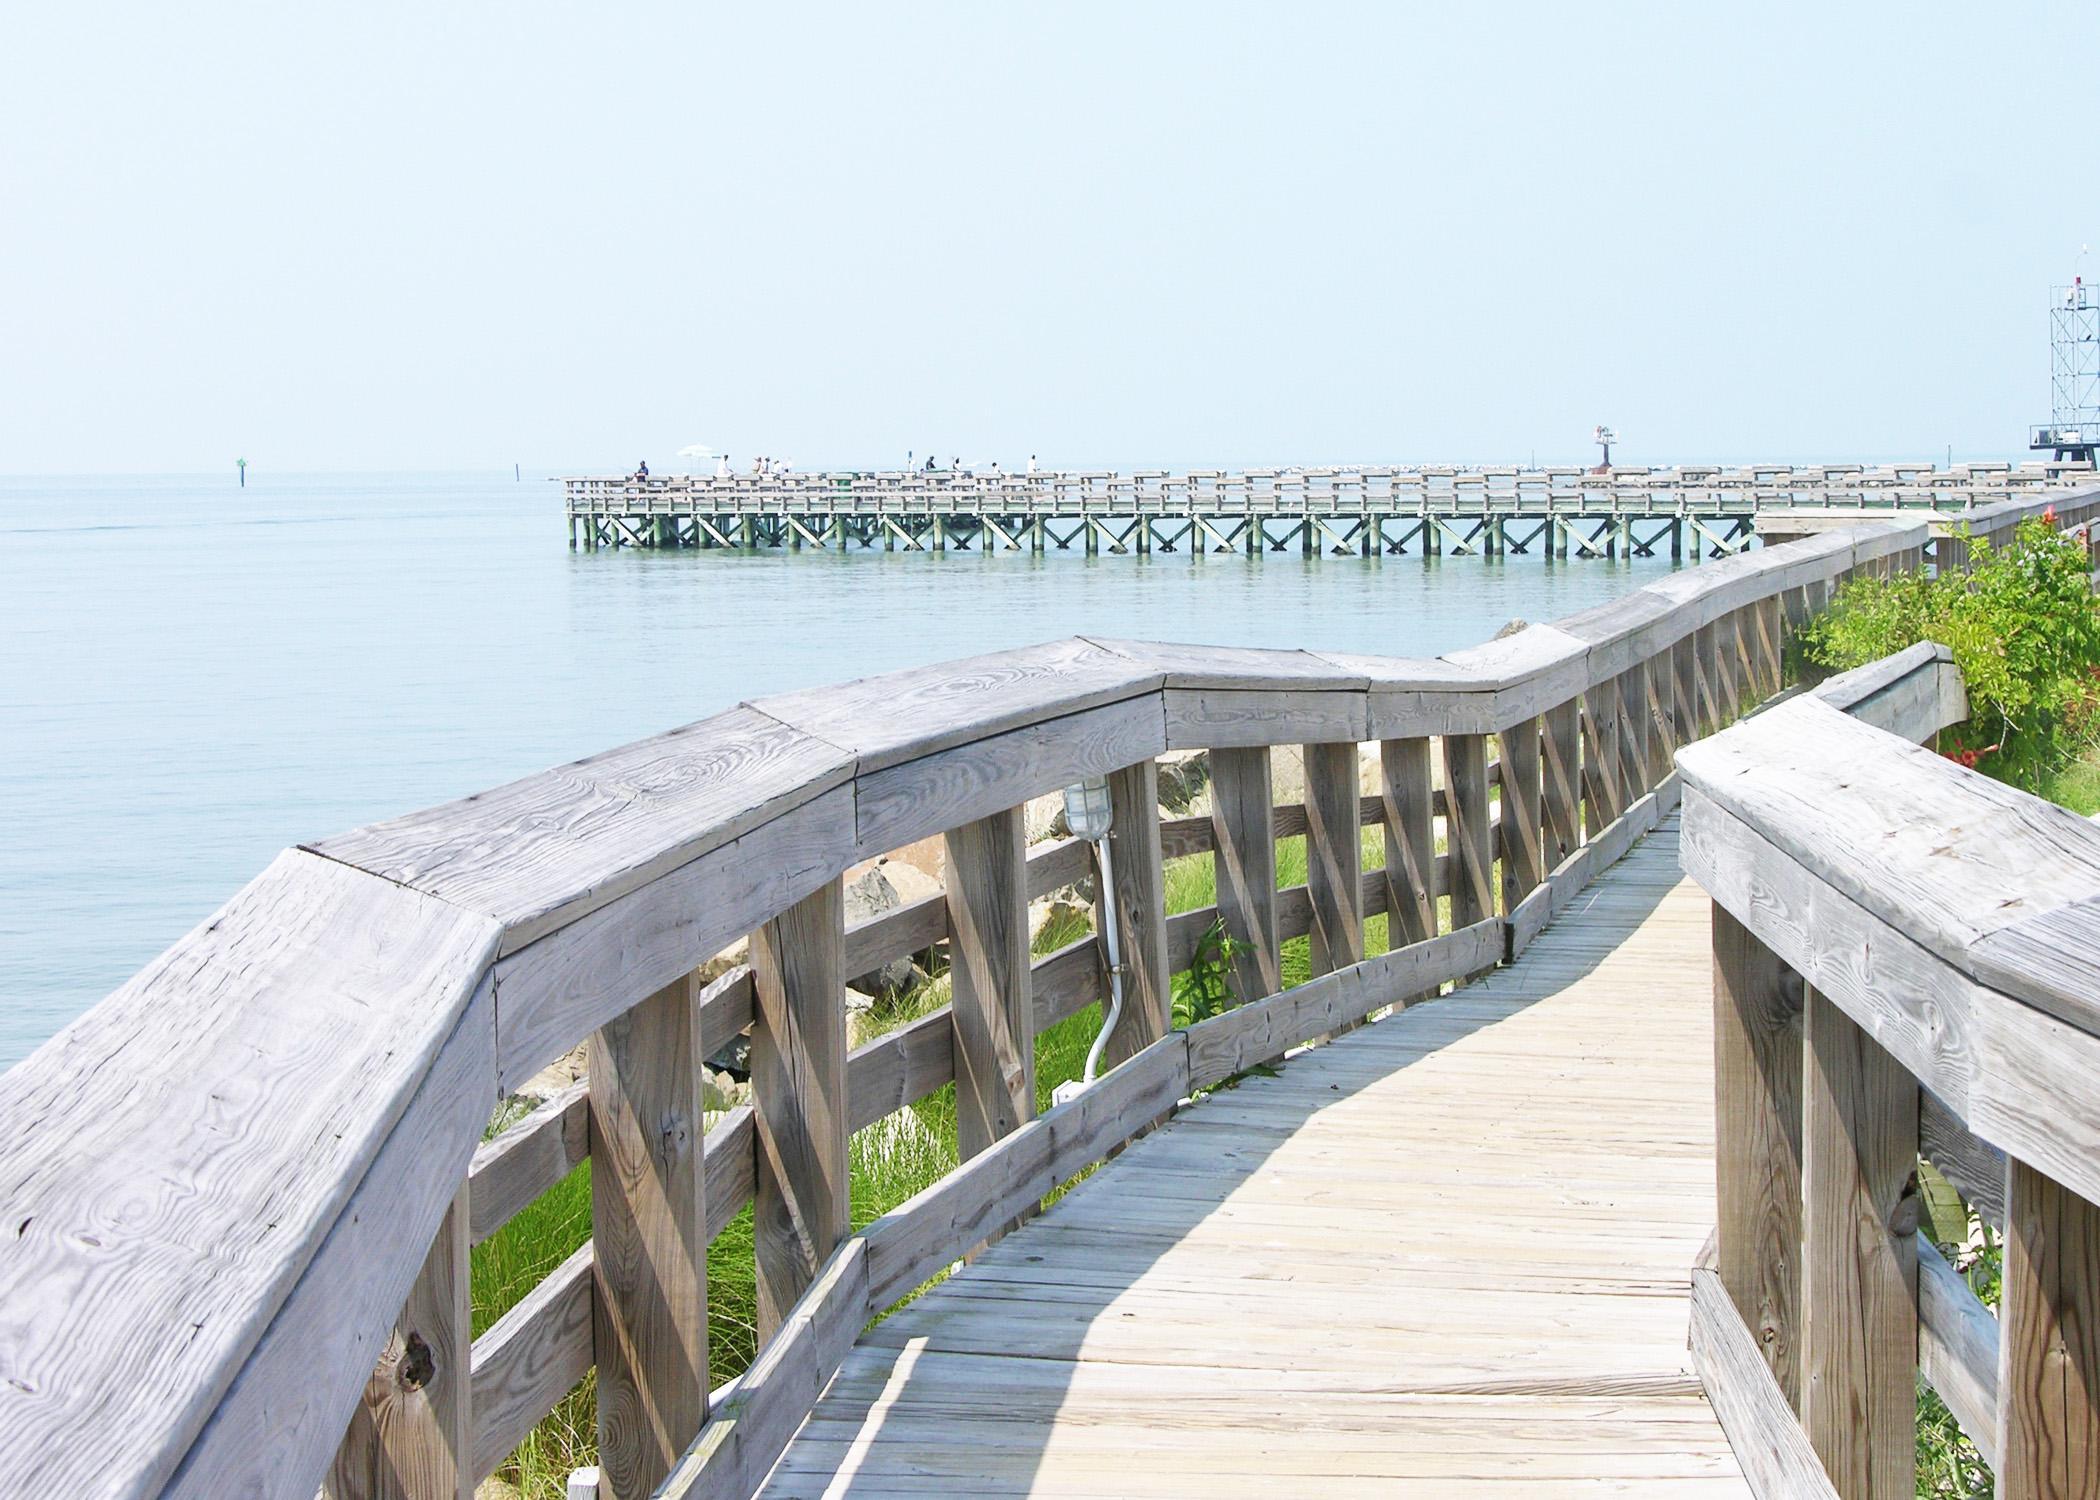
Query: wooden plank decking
{"points": [[1447, 1255]]}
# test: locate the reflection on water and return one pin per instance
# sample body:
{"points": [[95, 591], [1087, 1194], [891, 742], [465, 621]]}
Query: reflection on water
{"points": [[197, 675]]}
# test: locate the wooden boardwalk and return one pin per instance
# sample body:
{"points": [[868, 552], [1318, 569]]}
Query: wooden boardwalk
{"points": [[1446, 1255]]}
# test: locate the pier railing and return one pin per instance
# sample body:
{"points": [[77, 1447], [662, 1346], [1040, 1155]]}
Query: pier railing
{"points": [[1357, 490], [1906, 965], [243, 1189]]}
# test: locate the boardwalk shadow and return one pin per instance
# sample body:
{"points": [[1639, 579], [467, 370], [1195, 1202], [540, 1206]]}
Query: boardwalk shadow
{"points": [[964, 1391]]}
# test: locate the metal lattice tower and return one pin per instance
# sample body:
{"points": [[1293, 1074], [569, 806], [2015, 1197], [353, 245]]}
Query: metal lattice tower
{"points": [[2074, 374]]}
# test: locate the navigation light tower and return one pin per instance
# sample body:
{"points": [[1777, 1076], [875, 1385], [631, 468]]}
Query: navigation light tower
{"points": [[2073, 431]]}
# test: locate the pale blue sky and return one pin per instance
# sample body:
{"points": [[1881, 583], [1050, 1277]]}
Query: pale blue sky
{"points": [[458, 235]]}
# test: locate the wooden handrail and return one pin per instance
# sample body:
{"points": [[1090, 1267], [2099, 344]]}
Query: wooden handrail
{"points": [[1906, 964], [301, 1084]]}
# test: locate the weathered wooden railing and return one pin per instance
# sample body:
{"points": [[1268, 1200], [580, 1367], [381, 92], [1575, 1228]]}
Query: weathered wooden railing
{"points": [[242, 1190], [1906, 966]]}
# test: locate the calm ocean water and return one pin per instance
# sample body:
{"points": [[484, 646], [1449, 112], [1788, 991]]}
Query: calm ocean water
{"points": [[193, 676]]}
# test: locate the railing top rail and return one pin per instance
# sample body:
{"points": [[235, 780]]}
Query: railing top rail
{"points": [[2003, 886], [224, 1177]]}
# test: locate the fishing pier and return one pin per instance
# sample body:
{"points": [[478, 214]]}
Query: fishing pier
{"points": [[1554, 514], [1560, 1132]]}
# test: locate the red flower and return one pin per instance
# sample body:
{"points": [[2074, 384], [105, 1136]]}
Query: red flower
{"points": [[2049, 516]]}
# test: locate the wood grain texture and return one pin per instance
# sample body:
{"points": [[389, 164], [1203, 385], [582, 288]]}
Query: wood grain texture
{"points": [[1706, 650], [800, 1209], [1407, 805], [535, 1354], [1561, 776], [1757, 1143], [2049, 1382], [1886, 693], [1859, 1321], [996, 1185], [1229, 718], [1980, 873], [178, 1158], [411, 1436], [919, 798], [1242, 823], [1264, 1030], [1140, 896], [1333, 856], [1762, 1432], [733, 1453], [922, 924], [1958, 1348], [994, 1020], [1467, 829], [287, 1406], [1636, 721], [1602, 794], [1523, 834], [1180, 1321], [2013, 1074], [541, 852], [1974, 1167], [1728, 670], [1683, 673], [896, 717], [648, 1222], [528, 1158], [530, 1358], [555, 992]]}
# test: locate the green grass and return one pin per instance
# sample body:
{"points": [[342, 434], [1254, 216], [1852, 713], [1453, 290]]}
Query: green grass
{"points": [[889, 1162], [2077, 785]]}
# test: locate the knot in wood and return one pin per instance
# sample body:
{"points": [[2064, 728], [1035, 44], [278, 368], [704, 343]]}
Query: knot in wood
{"points": [[1903, 1218], [418, 1363]]}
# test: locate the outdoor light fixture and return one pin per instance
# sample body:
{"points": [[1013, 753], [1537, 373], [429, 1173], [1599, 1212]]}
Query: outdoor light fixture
{"points": [[1088, 810]]}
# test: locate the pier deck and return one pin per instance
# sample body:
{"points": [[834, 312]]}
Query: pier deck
{"points": [[1446, 1255], [1372, 512]]}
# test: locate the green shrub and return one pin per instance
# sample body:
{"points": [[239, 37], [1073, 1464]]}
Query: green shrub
{"points": [[2023, 630]]}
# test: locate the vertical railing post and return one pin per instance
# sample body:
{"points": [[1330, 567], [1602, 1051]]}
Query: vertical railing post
{"points": [[1408, 792], [648, 1229], [1757, 1142], [2049, 1365], [411, 1437], [1561, 778], [1140, 897], [1243, 823], [1741, 621], [1859, 1276], [1662, 694], [1635, 722], [1333, 856], [1771, 644], [1467, 833], [1601, 801], [1684, 693], [1727, 669], [1706, 655], [1523, 832], [993, 1013], [801, 1206]]}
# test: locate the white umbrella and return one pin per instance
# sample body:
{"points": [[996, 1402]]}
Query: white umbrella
{"points": [[696, 450]]}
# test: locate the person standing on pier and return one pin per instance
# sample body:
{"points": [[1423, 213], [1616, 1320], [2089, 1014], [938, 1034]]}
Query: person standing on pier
{"points": [[641, 470]]}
